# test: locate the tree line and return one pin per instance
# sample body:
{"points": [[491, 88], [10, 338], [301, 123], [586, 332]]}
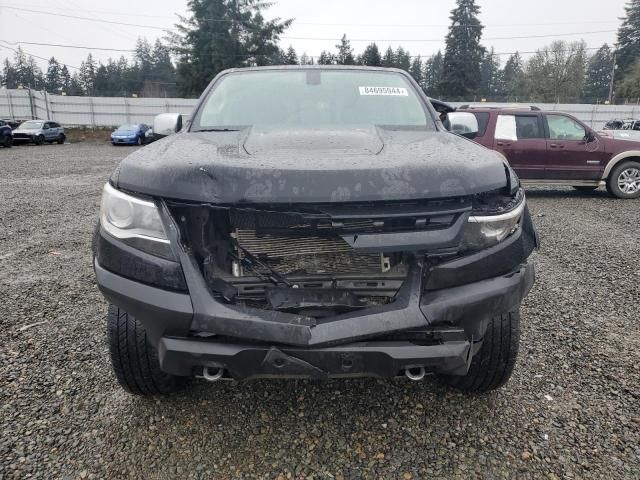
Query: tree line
{"points": [[221, 34], [150, 73]]}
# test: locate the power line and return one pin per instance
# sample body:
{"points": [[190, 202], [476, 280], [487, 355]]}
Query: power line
{"points": [[319, 38], [83, 47], [248, 55], [346, 24], [84, 18], [442, 39], [34, 56]]}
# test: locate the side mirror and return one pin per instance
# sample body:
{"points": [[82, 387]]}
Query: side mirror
{"points": [[590, 136], [464, 124], [167, 124]]}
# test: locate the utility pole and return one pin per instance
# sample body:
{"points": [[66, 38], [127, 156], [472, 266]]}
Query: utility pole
{"points": [[613, 76]]}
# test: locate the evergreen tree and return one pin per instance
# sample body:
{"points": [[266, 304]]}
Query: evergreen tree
{"points": [[27, 72], [402, 59], [9, 75], [345, 52], [629, 87], [513, 79], [628, 38], [371, 56], [417, 72], [278, 57], [65, 79], [389, 58], [87, 76], [598, 78], [53, 79], [75, 85], [490, 75], [239, 36], [326, 58], [162, 74], [463, 53], [291, 57], [433, 74]]}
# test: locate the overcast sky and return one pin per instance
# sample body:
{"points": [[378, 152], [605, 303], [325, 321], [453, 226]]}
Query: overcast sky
{"points": [[419, 25]]}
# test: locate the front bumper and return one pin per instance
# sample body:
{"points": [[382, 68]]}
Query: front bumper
{"points": [[248, 345], [124, 141], [23, 138], [437, 320]]}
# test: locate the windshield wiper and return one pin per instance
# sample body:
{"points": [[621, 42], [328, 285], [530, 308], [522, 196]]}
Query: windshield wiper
{"points": [[218, 130]]}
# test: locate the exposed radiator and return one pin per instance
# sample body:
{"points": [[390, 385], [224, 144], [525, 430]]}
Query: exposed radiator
{"points": [[309, 254]]}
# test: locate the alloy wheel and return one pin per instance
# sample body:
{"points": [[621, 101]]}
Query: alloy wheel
{"points": [[629, 180]]}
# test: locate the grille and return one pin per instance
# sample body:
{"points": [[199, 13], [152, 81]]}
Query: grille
{"points": [[307, 254]]}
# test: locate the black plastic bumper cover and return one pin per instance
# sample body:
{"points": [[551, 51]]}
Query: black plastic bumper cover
{"points": [[382, 359]]}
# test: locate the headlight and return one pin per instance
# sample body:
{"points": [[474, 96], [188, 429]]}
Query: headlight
{"points": [[127, 217], [485, 231]]}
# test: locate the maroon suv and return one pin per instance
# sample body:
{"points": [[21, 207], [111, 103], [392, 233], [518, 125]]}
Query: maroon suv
{"points": [[555, 148]]}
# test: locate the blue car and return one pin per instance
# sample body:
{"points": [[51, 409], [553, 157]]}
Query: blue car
{"points": [[131, 134]]}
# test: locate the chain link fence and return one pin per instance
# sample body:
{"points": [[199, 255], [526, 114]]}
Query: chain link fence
{"points": [[71, 111]]}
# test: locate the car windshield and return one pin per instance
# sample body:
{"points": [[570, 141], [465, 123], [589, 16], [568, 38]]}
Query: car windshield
{"points": [[127, 128], [31, 125], [312, 98]]}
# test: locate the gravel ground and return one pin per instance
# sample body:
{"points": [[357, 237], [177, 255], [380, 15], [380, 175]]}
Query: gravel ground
{"points": [[571, 410]]}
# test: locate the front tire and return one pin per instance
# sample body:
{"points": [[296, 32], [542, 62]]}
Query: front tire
{"points": [[492, 365], [624, 180], [134, 360], [140, 141], [8, 142], [39, 140]]}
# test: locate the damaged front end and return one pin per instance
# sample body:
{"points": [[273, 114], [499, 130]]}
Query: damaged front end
{"points": [[325, 290]]}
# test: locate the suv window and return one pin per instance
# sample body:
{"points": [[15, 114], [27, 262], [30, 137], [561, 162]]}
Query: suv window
{"points": [[483, 121], [564, 128], [518, 127]]}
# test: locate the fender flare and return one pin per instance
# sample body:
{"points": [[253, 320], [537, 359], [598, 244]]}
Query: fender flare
{"points": [[619, 158]]}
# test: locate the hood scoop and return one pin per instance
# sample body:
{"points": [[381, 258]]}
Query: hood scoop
{"points": [[355, 141]]}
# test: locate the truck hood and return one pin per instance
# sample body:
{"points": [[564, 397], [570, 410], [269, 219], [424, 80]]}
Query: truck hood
{"points": [[310, 166]]}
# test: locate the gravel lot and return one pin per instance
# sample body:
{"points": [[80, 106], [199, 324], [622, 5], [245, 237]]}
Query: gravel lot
{"points": [[571, 410]]}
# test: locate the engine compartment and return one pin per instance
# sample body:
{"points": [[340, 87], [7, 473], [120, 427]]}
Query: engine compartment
{"points": [[305, 259]]}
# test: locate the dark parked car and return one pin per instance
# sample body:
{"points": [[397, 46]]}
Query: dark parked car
{"points": [[558, 149], [313, 222], [11, 123], [131, 134], [6, 137], [39, 132]]}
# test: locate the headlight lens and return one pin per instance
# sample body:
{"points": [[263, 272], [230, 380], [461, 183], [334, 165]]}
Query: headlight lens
{"points": [[124, 216], [485, 231]]}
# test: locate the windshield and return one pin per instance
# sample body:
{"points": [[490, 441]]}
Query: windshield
{"points": [[31, 125], [127, 128], [312, 98]]}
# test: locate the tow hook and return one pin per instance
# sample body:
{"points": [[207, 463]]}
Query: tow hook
{"points": [[415, 373]]}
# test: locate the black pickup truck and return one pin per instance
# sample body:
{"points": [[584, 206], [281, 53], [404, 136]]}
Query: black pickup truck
{"points": [[313, 222]]}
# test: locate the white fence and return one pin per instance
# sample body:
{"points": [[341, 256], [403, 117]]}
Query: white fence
{"points": [[113, 111], [88, 111]]}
